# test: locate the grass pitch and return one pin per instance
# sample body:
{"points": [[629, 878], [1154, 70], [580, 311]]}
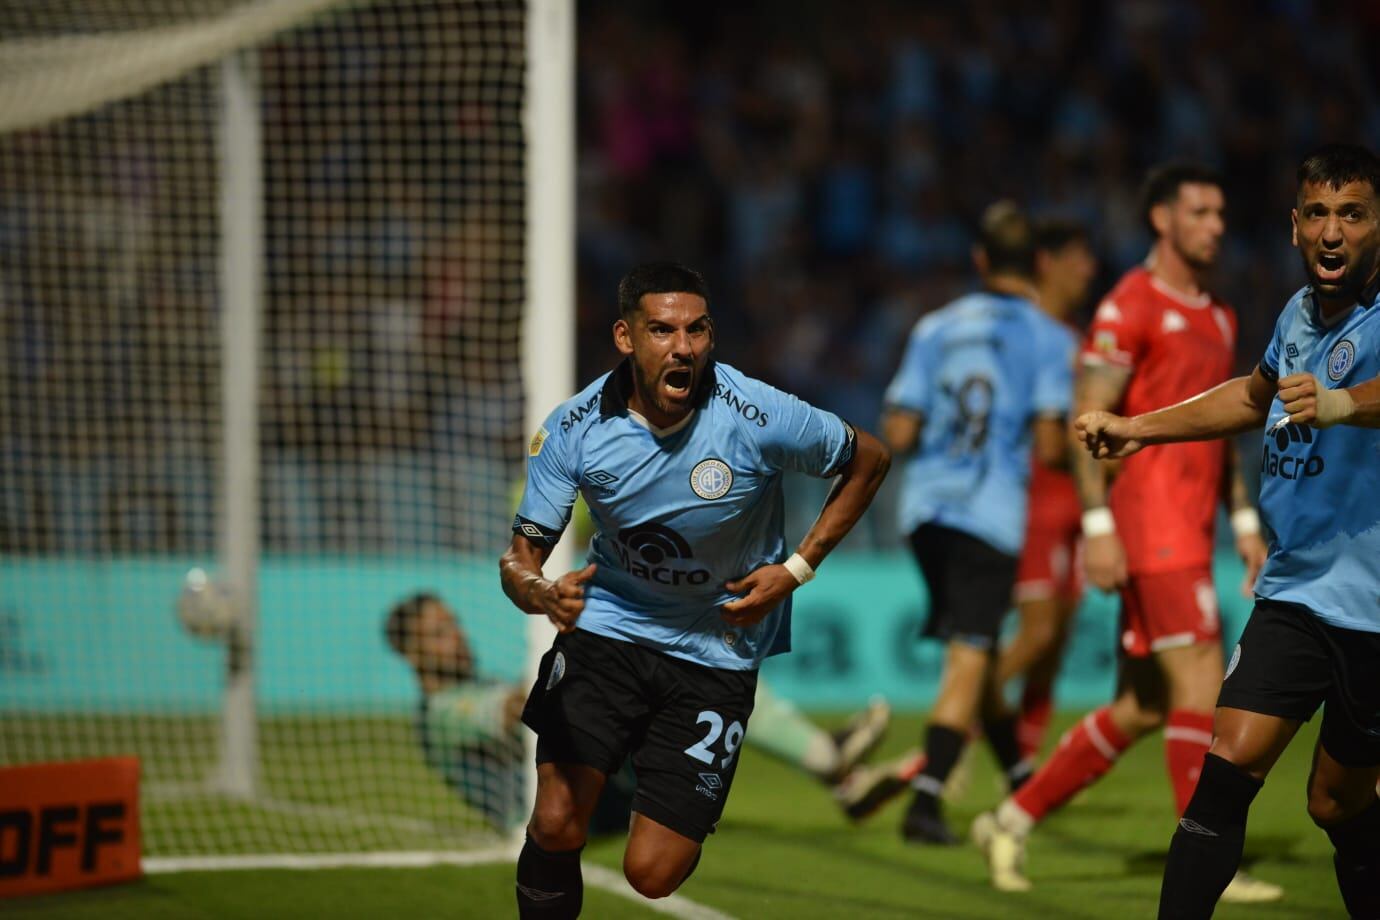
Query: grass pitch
{"points": [[783, 850]]}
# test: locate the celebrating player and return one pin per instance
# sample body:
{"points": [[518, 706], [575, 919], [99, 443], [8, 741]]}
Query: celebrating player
{"points": [[1159, 337], [687, 589], [980, 379], [1314, 635]]}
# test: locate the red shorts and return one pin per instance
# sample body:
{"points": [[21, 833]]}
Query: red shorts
{"points": [[1169, 609], [1051, 562]]}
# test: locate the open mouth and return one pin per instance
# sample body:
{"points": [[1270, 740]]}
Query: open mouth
{"points": [[1331, 266], [676, 382]]}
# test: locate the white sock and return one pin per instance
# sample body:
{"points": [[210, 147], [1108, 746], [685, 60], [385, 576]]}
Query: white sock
{"points": [[1013, 819]]}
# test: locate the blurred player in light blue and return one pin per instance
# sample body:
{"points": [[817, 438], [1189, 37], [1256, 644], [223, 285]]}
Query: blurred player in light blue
{"points": [[1313, 638], [983, 381], [687, 587]]}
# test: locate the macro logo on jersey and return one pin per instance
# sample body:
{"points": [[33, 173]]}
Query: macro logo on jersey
{"points": [[657, 553], [1284, 466], [711, 479], [1340, 361]]}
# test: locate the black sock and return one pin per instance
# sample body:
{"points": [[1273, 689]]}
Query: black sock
{"points": [[1206, 850], [549, 885], [1357, 861], [1001, 737], [942, 747]]}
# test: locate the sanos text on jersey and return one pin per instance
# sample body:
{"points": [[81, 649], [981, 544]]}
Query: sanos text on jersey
{"points": [[746, 409], [577, 415]]}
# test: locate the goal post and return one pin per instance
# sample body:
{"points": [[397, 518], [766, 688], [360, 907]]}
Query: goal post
{"points": [[241, 284], [283, 286], [549, 372]]}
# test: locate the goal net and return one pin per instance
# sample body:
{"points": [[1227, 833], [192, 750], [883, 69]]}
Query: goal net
{"points": [[262, 286]]}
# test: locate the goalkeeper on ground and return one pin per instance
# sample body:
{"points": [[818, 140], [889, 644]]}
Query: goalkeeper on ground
{"points": [[470, 734], [468, 724]]}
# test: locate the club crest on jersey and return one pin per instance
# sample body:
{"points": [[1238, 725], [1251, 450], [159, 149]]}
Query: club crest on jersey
{"points": [[1340, 361], [711, 479]]}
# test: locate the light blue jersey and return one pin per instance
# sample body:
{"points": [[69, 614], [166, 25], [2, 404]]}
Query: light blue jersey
{"points": [[1320, 489], [979, 370], [680, 511]]}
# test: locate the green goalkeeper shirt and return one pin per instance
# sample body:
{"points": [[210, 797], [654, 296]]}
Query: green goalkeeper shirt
{"points": [[463, 739]]}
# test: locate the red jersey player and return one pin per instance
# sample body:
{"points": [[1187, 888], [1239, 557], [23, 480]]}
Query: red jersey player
{"points": [[1158, 338]]}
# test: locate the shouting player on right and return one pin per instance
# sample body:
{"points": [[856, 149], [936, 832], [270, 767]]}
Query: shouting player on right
{"points": [[1314, 636]]}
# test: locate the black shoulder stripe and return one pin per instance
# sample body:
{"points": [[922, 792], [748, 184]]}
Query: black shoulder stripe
{"points": [[542, 536], [849, 448]]}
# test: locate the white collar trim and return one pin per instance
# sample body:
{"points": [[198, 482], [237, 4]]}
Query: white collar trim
{"points": [[1178, 296], [640, 419]]}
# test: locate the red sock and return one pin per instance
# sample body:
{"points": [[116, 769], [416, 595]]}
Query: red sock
{"points": [[1187, 737], [1086, 751], [1036, 706]]}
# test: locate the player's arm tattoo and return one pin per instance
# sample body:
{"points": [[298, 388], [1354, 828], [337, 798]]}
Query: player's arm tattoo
{"points": [[1098, 387], [519, 571]]}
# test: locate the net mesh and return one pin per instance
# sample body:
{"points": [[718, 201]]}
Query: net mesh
{"points": [[390, 407]]}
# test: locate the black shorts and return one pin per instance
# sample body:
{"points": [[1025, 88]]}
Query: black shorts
{"points": [[970, 584], [596, 700], [1288, 662]]}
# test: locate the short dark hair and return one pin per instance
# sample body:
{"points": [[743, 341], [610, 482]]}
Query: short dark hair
{"points": [[1005, 235], [657, 278], [402, 619], [1054, 233], [1334, 165], [1162, 184]]}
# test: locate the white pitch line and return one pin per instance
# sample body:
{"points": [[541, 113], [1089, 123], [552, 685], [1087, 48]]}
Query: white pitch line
{"points": [[595, 875], [385, 860], [676, 905]]}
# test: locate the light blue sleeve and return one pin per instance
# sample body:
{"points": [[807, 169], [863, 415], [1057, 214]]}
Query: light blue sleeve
{"points": [[910, 388], [1053, 393], [799, 437], [552, 483]]}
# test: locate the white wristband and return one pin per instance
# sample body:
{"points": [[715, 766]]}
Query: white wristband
{"points": [[1245, 521], [798, 567], [1098, 522]]}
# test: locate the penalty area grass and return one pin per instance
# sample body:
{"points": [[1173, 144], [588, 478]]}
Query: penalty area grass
{"points": [[784, 850]]}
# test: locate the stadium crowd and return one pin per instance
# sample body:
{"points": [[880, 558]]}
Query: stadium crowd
{"points": [[826, 163]]}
